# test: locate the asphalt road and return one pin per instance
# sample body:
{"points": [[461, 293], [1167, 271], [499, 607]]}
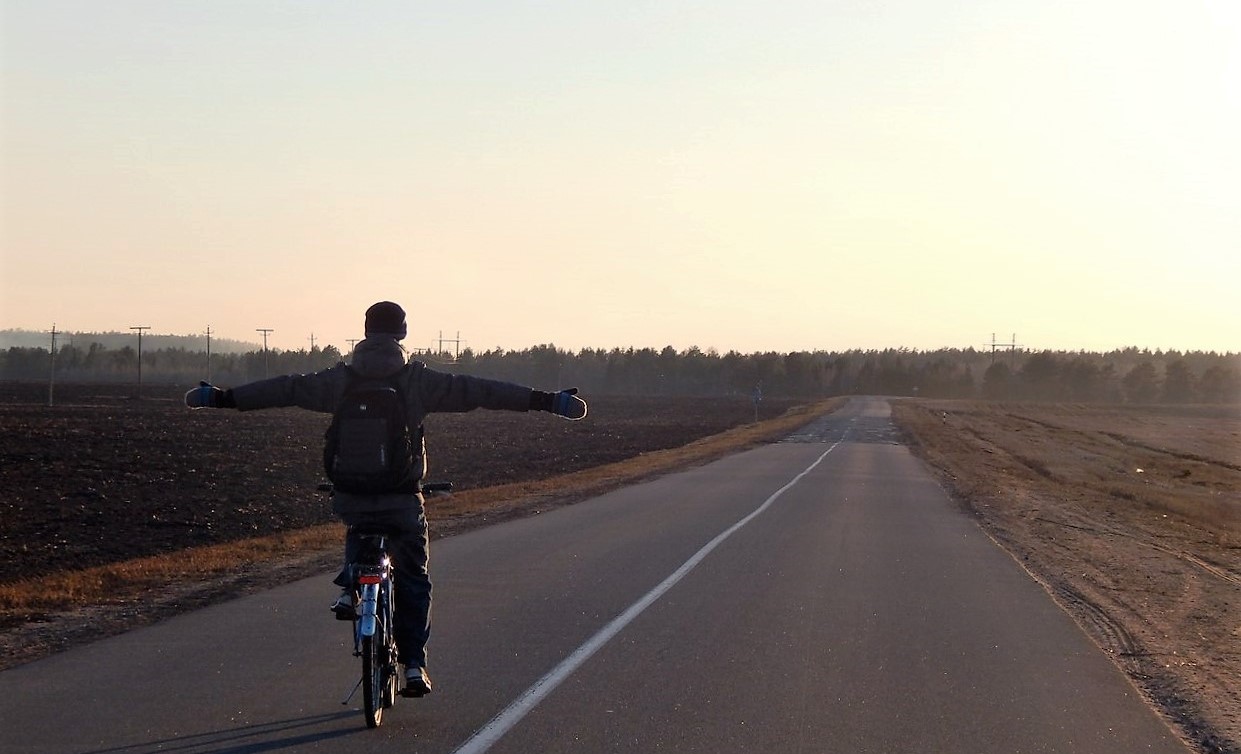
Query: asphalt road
{"points": [[817, 595]]}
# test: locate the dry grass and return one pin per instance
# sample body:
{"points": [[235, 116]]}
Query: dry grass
{"points": [[55, 611], [1131, 518], [121, 582]]}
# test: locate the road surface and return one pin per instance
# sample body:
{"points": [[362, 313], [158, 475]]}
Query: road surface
{"points": [[818, 595]]}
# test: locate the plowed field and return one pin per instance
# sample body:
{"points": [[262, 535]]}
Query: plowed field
{"points": [[102, 477]]}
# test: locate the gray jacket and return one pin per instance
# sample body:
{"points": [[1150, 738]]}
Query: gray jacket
{"points": [[426, 392]]}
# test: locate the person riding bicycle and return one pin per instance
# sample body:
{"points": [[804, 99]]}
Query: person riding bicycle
{"points": [[380, 356]]}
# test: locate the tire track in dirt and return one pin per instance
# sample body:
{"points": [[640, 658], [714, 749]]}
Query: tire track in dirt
{"points": [[1213, 570], [1209, 568], [1140, 544]]}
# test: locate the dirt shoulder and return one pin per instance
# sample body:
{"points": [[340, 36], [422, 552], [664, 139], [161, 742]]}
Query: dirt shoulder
{"points": [[1131, 518]]}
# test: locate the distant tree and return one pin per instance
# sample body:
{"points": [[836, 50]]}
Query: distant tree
{"points": [[93, 357], [1179, 383], [700, 372], [1084, 380], [768, 371], [1141, 383], [1109, 384], [26, 363], [1040, 377], [801, 374], [890, 373], [68, 359], [1220, 384], [864, 380], [124, 361], [668, 364], [963, 385], [843, 376], [544, 365], [997, 382], [645, 363]]}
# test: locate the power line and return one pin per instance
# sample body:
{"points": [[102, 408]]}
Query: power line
{"points": [[51, 380], [456, 345], [265, 331], [1012, 346], [141, 329]]}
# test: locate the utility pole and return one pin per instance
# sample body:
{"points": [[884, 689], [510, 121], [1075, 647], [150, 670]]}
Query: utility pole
{"points": [[456, 344], [208, 354], [51, 380], [1011, 346], [140, 329], [312, 341], [265, 331]]}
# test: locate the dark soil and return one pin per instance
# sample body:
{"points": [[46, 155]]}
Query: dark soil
{"points": [[104, 476]]}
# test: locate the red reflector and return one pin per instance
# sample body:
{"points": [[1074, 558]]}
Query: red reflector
{"points": [[368, 579]]}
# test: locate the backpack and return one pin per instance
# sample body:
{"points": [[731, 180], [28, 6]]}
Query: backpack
{"points": [[368, 449]]}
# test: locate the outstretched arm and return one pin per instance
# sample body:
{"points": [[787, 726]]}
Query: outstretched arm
{"points": [[564, 403], [209, 396], [444, 392], [317, 392]]}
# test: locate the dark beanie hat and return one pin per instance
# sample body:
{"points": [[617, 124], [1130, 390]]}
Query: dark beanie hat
{"points": [[385, 319]]}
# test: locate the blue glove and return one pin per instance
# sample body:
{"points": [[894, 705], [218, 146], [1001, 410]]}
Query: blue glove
{"points": [[204, 396], [566, 404]]}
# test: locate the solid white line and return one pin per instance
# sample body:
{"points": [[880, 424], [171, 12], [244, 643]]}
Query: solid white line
{"points": [[502, 723]]}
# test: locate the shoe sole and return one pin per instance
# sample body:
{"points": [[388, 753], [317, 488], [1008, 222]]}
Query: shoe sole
{"points": [[415, 688]]}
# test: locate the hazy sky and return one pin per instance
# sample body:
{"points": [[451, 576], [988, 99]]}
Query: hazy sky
{"points": [[740, 175]]}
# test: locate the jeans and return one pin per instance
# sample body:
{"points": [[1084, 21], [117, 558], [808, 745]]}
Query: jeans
{"points": [[408, 550]]}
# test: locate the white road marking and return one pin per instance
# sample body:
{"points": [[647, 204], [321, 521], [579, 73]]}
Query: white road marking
{"points": [[502, 723]]}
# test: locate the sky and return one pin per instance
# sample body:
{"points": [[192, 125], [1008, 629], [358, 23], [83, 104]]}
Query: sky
{"points": [[752, 176]]}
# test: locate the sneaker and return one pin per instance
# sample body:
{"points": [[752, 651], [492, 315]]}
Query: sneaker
{"points": [[343, 606], [417, 682]]}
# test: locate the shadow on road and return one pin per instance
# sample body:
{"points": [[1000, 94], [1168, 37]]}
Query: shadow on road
{"points": [[248, 739]]}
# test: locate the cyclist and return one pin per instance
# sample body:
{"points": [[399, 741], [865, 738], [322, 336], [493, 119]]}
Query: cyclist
{"points": [[425, 391]]}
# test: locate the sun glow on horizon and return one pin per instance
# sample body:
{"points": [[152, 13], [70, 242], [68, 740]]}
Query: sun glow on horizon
{"points": [[748, 177]]}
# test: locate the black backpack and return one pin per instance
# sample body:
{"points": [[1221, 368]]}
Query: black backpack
{"points": [[368, 448]]}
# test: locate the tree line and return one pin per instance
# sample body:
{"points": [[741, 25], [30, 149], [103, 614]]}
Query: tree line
{"points": [[10, 337], [176, 366], [1124, 376]]}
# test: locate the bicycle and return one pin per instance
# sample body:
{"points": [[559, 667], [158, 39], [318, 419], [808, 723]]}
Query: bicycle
{"points": [[372, 580]]}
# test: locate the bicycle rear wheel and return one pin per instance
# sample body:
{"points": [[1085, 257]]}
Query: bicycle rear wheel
{"points": [[373, 679], [392, 673], [380, 672]]}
